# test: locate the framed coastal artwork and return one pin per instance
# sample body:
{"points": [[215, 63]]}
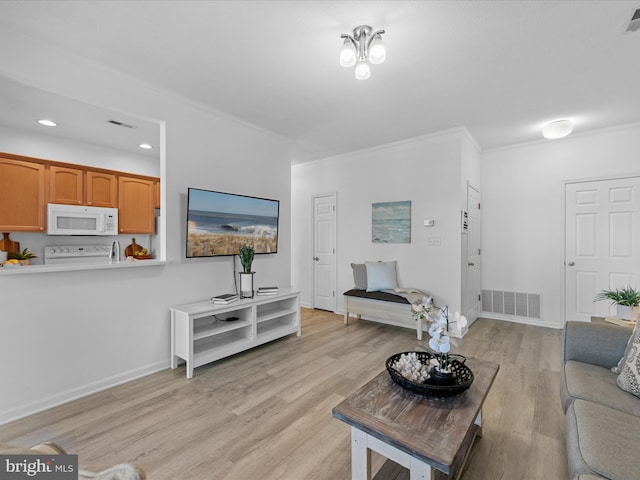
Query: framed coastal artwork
{"points": [[391, 222]]}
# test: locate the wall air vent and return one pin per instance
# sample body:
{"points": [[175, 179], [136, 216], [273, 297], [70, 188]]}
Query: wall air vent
{"points": [[634, 24], [514, 304], [120, 124]]}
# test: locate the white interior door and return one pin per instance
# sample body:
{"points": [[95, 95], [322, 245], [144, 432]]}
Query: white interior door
{"points": [[602, 243], [473, 261], [324, 252]]}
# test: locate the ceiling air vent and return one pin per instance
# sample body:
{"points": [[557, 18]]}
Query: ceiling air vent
{"points": [[634, 24], [120, 124]]}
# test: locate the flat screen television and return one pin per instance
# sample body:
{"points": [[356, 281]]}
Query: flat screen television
{"points": [[220, 223]]}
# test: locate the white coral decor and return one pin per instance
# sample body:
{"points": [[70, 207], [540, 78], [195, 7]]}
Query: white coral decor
{"points": [[440, 326], [411, 368]]}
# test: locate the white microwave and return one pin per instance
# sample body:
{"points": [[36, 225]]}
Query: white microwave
{"points": [[81, 220]]}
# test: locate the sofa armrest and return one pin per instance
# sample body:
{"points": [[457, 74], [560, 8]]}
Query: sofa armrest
{"points": [[601, 344]]}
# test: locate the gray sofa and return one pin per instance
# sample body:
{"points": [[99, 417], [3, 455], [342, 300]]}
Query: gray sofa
{"points": [[602, 420]]}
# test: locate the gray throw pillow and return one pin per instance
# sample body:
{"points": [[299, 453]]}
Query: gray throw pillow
{"points": [[629, 378], [359, 276], [381, 276]]}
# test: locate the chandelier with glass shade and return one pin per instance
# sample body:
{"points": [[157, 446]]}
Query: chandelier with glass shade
{"points": [[362, 49]]}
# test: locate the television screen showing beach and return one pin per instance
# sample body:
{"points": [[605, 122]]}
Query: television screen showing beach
{"points": [[220, 223]]}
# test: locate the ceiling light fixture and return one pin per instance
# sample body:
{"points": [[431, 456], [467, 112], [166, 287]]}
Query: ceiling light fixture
{"points": [[47, 123], [362, 49], [146, 146], [557, 129]]}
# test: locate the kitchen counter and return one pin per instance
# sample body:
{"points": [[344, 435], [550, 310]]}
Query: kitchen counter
{"points": [[21, 270]]}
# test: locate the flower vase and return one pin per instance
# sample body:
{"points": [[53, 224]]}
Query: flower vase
{"points": [[246, 284], [438, 377]]}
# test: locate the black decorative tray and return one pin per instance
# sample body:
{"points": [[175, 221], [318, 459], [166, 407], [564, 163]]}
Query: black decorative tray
{"points": [[462, 376]]}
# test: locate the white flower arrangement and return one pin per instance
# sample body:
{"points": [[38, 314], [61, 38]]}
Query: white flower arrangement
{"points": [[439, 329]]}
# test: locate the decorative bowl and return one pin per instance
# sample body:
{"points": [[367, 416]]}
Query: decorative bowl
{"points": [[462, 376]]}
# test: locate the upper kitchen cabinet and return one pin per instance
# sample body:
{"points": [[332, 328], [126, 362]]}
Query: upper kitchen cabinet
{"points": [[136, 205], [66, 185], [79, 186], [28, 184], [22, 195], [101, 189], [156, 187]]}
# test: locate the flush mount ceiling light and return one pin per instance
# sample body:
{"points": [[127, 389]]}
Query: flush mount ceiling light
{"points": [[146, 146], [47, 123], [362, 49], [557, 128]]}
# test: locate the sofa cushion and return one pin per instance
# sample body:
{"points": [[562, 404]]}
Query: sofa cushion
{"points": [[629, 378], [597, 384], [598, 343], [602, 441]]}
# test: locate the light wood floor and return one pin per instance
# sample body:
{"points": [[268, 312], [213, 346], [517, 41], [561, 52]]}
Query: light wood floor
{"points": [[266, 413]]}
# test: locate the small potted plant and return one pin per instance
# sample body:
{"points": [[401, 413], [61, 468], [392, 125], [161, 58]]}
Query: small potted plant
{"points": [[246, 276], [626, 300], [23, 256]]}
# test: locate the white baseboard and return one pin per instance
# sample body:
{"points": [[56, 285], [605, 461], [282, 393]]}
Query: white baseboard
{"points": [[512, 319], [79, 392]]}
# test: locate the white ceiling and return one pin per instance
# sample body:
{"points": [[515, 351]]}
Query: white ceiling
{"points": [[499, 68], [23, 105]]}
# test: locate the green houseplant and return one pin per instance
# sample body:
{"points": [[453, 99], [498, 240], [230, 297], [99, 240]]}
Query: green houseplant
{"points": [[246, 254], [626, 300], [22, 256], [246, 257]]}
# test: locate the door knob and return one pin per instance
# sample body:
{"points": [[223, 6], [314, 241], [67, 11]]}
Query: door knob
{"points": [[316, 258], [571, 264], [471, 264]]}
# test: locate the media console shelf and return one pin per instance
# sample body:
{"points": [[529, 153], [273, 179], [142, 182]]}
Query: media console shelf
{"points": [[201, 333]]}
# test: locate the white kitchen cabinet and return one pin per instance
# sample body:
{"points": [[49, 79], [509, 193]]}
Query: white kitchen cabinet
{"points": [[202, 332]]}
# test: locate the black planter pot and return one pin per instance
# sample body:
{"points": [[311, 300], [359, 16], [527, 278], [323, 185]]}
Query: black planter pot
{"points": [[441, 378]]}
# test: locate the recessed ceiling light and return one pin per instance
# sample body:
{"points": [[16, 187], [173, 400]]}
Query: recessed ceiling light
{"points": [[47, 123], [557, 128], [146, 146]]}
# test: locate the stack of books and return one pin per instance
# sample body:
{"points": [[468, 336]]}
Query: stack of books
{"points": [[267, 291], [224, 299]]}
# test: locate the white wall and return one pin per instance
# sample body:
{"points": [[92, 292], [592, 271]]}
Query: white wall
{"points": [[425, 170], [68, 333], [523, 206]]}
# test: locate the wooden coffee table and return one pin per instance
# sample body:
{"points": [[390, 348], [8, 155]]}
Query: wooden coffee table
{"points": [[430, 436]]}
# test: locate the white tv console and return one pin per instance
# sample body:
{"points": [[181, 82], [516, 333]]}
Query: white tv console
{"points": [[200, 334]]}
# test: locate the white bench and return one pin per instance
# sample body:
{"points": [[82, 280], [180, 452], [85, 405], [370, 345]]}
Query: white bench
{"points": [[380, 307]]}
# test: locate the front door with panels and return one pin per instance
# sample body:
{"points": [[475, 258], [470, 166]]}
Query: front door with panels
{"points": [[602, 243]]}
